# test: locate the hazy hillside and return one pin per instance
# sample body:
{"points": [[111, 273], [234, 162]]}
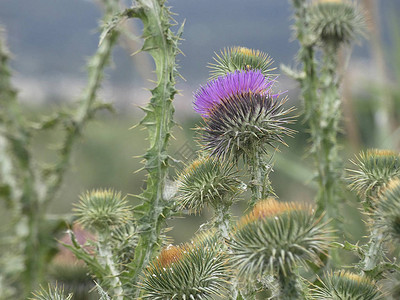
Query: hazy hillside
{"points": [[51, 40]]}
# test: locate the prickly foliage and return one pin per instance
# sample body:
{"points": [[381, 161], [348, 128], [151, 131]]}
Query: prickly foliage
{"points": [[102, 210], [207, 182], [336, 21], [162, 44], [375, 169], [345, 285], [275, 237], [388, 210], [240, 58], [198, 270], [245, 124], [51, 293]]}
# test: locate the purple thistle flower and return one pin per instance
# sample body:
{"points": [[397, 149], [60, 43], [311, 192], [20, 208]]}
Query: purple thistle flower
{"points": [[244, 124], [233, 84]]}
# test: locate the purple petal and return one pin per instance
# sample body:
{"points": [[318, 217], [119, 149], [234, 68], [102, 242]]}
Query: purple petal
{"points": [[239, 82]]}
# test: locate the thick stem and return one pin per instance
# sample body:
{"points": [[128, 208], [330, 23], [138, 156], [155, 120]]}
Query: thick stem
{"points": [[374, 254], [289, 286], [106, 258], [326, 146], [222, 220], [162, 44], [259, 185]]}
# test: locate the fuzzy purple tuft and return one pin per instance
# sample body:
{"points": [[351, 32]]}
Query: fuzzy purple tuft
{"points": [[233, 84]]}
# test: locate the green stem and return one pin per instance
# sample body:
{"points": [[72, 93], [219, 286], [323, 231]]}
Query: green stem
{"points": [[106, 258], [289, 286], [259, 185], [222, 220], [374, 254], [326, 136], [162, 44], [86, 109]]}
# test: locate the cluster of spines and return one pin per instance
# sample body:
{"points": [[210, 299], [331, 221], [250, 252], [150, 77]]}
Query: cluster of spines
{"points": [[244, 124], [275, 237], [346, 285], [207, 181], [375, 168], [102, 209], [241, 58], [335, 21], [196, 270]]}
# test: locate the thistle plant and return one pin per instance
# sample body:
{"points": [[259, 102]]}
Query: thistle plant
{"points": [[347, 286], [324, 26], [270, 249], [29, 188], [240, 58], [242, 117], [198, 270], [277, 237], [208, 182], [51, 293], [388, 211], [375, 170]]}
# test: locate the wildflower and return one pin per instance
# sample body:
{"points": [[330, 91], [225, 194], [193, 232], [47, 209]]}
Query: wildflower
{"points": [[388, 210], [275, 237], [207, 181], [346, 285], [335, 22], [224, 87], [101, 209], [375, 169], [196, 270], [245, 124], [241, 58]]}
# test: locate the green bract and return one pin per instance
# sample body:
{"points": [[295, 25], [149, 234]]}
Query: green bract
{"points": [[101, 209], [207, 181], [198, 270], [388, 210], [335, 21], [246, 124], [276, 236], [346, 286], [51, 293], [375, 169], [240, 58]]}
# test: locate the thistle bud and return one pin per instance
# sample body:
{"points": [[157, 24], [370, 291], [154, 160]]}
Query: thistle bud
{"points": [[375, 168], [346, 285], [207, 181], [196, 270], [388, 210], [102, 209], [51, 293], [335, 21], [240, 58], [277, 236]]}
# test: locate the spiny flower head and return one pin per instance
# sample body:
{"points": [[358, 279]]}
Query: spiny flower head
{"points": [[375, 168], [241, 58], [102, 209], [275, 237], [51, 293], [347, 286], [388, 210], [245, 124], [224, 87], [207, 181], [197, 270], [336, 21]]}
